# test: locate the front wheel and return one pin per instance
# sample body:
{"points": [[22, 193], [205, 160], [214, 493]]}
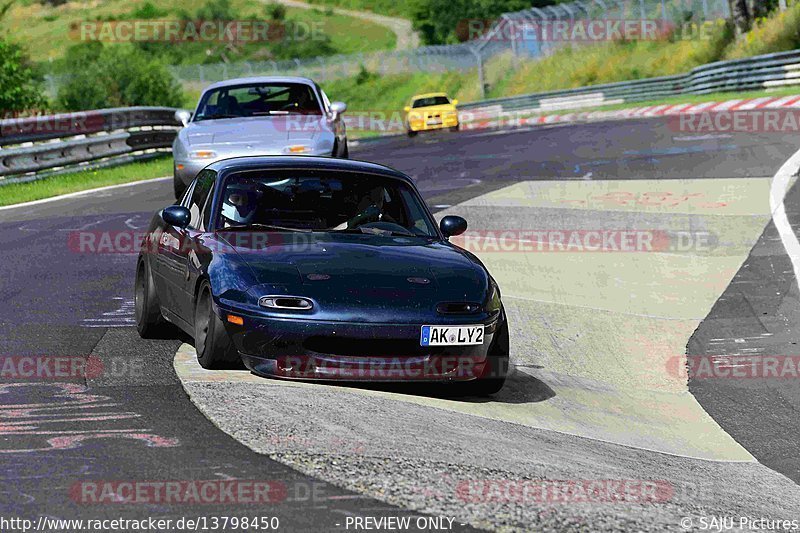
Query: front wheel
{"points": [[412, 133], [494, 373], [149, 321], [211, 341]]}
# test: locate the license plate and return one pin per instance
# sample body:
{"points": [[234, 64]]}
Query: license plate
{"points": [[434, 121], [451, 335]]}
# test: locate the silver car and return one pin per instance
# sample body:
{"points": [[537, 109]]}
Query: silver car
{"points": [[257, 116]]}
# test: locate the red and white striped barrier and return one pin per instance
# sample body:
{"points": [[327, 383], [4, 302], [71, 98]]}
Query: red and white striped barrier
{"points": [[493, 118]]}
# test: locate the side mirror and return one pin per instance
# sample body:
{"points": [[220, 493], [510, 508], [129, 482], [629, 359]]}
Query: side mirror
{"points": [[338, 108], [452, 225], [176, 215], [183, 116], [454, 101], [407, 108]]}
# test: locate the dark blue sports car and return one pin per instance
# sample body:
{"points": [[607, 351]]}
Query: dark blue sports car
{"points": [[323, 269]]}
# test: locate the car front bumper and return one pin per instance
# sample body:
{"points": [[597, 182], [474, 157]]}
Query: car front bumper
{"points": [[298, 348], [186, 169], [424, 125]]}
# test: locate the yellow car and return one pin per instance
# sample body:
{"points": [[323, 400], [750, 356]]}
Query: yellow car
{"points": [[432, 111]]}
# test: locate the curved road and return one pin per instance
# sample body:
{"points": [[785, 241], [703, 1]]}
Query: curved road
{"points": [[132, 419]]}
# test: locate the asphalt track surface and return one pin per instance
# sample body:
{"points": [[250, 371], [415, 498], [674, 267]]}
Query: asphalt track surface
{"points": [[137, 422]]}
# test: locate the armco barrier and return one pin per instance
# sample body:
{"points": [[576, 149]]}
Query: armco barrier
{"points": [[754, 73], [29, 146], [34, 144]]}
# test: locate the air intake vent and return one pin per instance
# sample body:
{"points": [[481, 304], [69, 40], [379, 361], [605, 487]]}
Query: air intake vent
{"points": [[297, 303], [458, 308]]}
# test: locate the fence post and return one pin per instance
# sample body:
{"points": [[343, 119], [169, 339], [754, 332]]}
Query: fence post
{"points": [[481, 80]]}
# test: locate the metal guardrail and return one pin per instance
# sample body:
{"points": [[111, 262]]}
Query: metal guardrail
{"points": [[29, 146], [754, 73], [34, 144]]}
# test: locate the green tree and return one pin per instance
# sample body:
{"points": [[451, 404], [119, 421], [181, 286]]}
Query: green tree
{"points": [[115, 76], [20, 86], [446, 21]]}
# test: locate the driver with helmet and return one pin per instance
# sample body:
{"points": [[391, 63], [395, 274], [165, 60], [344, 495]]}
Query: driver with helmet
{"points": [[240, 204]]}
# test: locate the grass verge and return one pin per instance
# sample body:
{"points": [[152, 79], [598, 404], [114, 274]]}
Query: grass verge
{"points": [[49, 26], [15, 193]]}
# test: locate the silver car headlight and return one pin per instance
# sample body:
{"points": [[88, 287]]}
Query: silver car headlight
{"points": [[297, 149], [202, 154]]}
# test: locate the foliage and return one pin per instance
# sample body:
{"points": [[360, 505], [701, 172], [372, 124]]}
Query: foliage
{"points": [[20, 86], [447, 21], [115, 76], [276, 11], [778, 32]]}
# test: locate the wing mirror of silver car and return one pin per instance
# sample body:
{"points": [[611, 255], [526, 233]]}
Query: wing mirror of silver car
{"points": [[338, 108], [176, 215], [183, 116], [452, 225]]}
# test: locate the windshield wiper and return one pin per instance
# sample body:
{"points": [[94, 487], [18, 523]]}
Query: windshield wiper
{"points": [[218, 115], [380, 232], [267, 227]]}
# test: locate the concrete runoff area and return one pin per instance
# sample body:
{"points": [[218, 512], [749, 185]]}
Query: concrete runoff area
{"points": [[599, 390]]}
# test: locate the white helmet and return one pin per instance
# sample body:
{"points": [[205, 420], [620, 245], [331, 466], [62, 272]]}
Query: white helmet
{"points": [[240, 203]]}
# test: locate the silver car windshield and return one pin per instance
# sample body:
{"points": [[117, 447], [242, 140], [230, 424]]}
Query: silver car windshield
{"points": [[258, 99]]}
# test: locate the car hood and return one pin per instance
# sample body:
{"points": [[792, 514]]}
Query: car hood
{"points": [[366, 278], [255, 131]]}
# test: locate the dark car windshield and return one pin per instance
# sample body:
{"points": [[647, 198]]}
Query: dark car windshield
{"points": [[323, 201], [433, 100], [258, 99]]}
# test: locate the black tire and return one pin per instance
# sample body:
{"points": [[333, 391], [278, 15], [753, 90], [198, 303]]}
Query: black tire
{"points": [[213, 345], [412, 133], [178, 186], [494, 376], [455, 128], [149, 322]]}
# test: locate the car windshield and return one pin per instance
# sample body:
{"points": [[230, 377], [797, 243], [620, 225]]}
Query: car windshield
{"points": [[430, 101], [323, 201], [258, 99]]}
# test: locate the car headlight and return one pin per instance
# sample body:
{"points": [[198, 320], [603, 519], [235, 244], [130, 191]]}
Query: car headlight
{"points": [[493, 303], [202, 154], [297, 149]]}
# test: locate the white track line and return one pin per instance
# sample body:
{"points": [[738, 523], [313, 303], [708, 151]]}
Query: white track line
{"points": [[777, 193], [81, 193]]}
